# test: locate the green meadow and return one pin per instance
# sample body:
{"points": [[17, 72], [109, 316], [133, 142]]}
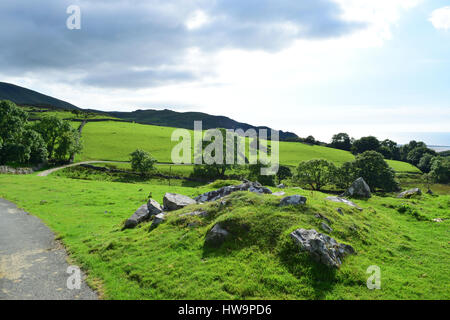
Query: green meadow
{"points": [[116, 140], [259, 261]]}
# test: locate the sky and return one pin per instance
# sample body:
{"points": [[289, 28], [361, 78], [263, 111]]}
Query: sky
{"points": [[365, 67]]}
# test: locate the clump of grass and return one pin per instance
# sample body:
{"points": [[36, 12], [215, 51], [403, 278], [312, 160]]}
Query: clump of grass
{"points": [[407, 209]]}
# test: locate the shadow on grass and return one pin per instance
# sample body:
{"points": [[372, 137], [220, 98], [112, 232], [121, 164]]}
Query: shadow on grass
{"points": [[321, 278]]}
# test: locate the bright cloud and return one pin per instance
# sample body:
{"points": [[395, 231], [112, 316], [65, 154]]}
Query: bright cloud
{"points": [[440, 18]]}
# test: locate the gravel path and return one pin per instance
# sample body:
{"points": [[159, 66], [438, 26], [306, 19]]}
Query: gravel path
{"points": [[49, 171], [33, 265]]}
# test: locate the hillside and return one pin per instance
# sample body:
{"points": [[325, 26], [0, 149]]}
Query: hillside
{"points": [[115, 141], [169, 118], [23, 96], [259, 260]]}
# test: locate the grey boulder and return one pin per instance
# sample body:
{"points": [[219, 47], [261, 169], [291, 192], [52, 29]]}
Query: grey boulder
{"points": [[359, 188], [142, 214], [293, 200], [326, 227], [158, 219], [174, 201], [342, 200], [255, 187], [281, 186], [216, 236], [196, 214], [154, 207], [410, 193], [321, 247]]}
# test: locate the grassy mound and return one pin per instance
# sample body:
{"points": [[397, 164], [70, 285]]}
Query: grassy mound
{"points": [[259, 260]]}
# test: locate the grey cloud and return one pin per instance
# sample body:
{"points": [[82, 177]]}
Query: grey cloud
{"points": [[126, 35]]}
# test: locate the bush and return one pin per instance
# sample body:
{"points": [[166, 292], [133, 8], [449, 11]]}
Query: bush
{"points": [[416, 154], [425, 163], [344, 176], [315, 173], [255, 175], [376, 172], [283, 173], [366, 144], [62, 140], [440, 170], [142, 162], [341, 141]]}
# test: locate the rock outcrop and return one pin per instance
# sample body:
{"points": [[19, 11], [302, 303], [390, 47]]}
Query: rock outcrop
{"points": [[359, 189], [410, 193], [202, 214], [222, 192], [154, 207], [321, 247], [293, 201], [11, 170], [326, 227], [342, 200], [158, 219], [216, 236], [174, 201], [142, 214]]}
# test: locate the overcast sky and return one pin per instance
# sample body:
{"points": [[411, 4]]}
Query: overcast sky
{"points": [[379, 67]]}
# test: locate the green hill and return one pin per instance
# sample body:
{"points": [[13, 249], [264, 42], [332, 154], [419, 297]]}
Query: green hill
{"points": [[116, 140], [259, 260], [169, 118], [23, 96]]}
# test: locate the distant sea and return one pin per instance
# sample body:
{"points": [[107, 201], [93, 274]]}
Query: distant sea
{"points": [[439, 148]]}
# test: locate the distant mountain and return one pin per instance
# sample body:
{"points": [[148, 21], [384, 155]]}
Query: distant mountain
{"points": [[26, 97], [169, 118]]}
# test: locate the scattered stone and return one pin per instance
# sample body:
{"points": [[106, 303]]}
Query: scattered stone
{"points": [[216, 236], [347, 202], [326, 227], [222, 204], [321, 216], [224, 191], [11, 170], [359, 188], [321, 247], [410, 193], [439, 220], [158, 219], [154, 207], [279, 194], [293, 200], [339, 210], [196, 214], [142, 214], [174, 201], [281, 186], [430, 192]]}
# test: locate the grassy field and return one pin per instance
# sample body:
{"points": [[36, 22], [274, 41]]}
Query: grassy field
{"points": [[260, 261], [115, 141]]}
